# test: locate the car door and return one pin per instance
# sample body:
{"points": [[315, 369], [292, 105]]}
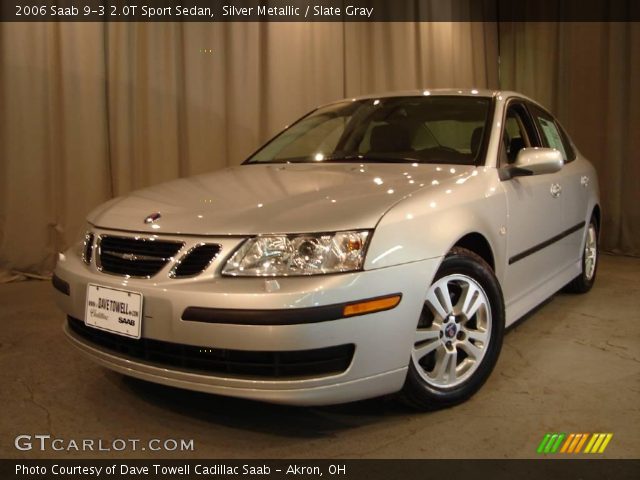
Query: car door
{"points": [[574, 179], [534, 211]]}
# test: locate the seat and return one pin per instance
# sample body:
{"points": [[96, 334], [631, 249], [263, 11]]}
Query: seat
{"points": [[515, 146]]}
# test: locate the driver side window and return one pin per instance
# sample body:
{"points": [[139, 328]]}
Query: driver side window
{"points": [[518, 133]]}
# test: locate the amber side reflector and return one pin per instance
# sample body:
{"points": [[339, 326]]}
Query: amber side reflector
{"points": [[373, 305]]}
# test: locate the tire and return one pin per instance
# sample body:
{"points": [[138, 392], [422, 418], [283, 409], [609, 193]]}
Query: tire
{"points": [[590, 256], [469, 336]]}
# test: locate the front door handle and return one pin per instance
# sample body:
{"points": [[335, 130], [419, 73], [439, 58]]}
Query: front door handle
{"points": [[556, 190]]}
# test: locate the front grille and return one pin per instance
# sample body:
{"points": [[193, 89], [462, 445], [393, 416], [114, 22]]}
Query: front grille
{"points": [[239, 363], [136, 257], [196, 260]]}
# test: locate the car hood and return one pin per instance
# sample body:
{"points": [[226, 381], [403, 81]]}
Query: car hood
{"points": [[273, 198]]}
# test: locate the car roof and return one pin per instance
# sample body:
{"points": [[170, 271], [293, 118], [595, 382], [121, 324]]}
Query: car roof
{"points": [[477, 92], [462, 92]]}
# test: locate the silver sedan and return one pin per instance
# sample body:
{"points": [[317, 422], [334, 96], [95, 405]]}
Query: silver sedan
{"points": [[378, 245]]}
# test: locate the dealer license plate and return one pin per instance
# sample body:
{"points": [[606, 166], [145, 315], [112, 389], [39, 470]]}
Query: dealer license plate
{"points": [[114, 310]]}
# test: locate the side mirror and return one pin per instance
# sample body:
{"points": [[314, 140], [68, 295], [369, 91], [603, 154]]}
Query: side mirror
{"points": [[533, 161]]}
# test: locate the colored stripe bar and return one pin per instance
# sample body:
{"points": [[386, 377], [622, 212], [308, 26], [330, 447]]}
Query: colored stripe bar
{"points": [[576, 439], [543, 443], [567, 443], [591, 442], [550, 443], [556, 446], [573, 443], [581, 442], [606, 441], [596, 445]]}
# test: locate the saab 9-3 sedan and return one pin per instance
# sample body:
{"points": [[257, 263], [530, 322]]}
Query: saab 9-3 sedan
{"points": [[378, 245]]}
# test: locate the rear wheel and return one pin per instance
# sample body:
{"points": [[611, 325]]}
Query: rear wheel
{"points": [[583, 282], [459, 333]]}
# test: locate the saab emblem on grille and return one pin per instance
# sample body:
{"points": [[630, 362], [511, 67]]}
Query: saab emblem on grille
{"points": [[152, 218]]}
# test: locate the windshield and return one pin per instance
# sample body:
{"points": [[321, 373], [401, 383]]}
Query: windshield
{"points": [[429, 129]]}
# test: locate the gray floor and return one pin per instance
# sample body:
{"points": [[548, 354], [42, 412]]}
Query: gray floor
{"points": [[571, 366]]}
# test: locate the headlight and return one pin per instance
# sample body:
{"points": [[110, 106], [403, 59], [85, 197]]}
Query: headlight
{"points": [[307, 254]]}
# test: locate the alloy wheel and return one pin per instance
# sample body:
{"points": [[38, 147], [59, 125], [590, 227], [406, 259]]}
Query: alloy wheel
{"points": [[590, 252], [453, 332]]}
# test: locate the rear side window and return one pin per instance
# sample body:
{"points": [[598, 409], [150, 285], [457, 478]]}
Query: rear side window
{"points": [[553, 136]]}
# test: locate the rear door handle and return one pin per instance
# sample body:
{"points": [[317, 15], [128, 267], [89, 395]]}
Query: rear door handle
{"points": [[556, 190]]}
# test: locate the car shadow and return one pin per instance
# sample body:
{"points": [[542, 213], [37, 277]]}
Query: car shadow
{"points": [[284, 420]]}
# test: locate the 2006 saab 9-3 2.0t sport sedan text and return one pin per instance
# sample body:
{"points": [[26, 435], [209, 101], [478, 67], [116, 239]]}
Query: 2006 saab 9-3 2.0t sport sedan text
{"points": [[378, 245]]}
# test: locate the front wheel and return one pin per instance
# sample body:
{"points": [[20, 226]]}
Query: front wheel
{"points": [[459, 333], [583, 282]]}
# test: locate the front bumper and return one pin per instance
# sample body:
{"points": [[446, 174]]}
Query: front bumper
{"points": [[382, 340]]}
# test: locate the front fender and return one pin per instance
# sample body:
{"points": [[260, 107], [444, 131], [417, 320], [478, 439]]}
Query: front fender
{"points": [[429, 222]]}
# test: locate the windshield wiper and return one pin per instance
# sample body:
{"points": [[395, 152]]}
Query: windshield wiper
{"points": [[378, 158], [349, 158]]}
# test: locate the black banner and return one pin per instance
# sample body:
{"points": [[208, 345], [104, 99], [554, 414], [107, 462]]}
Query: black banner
{"points": [[543, 468], [317, 10]]}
